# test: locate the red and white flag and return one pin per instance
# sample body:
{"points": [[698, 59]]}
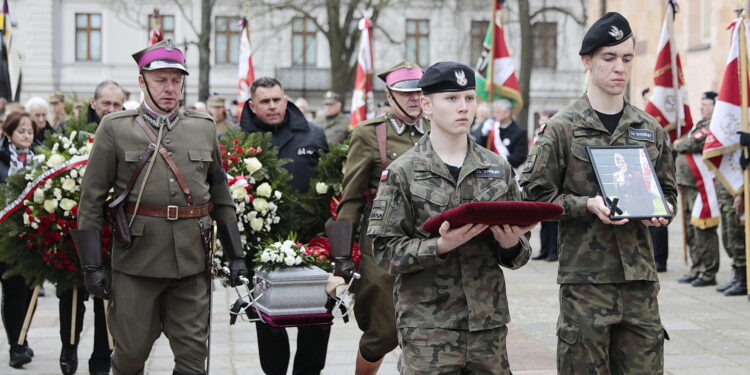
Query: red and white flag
{"points": [[363, 101], [722, 150], [246, 72], [668, 103]]}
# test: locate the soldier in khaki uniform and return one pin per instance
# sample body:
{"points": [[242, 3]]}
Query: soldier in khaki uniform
{"points": [[401, 127], [609, 315], [702, 237], [159, 283], [218, 111], [449, 291], [332, 119]]}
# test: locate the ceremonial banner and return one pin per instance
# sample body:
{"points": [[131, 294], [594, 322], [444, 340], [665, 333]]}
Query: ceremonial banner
{"points": [[246, 72], [496, 73], [668, 103], [722, 150], [705, 212], [10, 61], [363, 102]]}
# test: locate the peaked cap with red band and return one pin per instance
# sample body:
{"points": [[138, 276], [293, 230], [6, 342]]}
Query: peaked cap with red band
{"points": [[495, 213], [162, 55], [402, 76]]}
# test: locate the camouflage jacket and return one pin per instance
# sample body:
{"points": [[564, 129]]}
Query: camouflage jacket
{"points": [[559, 170], [362, 169], [335, 127], [465, 288], [690, 144]]}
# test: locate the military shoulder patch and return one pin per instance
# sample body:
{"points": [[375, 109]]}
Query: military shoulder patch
{"points": [[384, 175], [489, 173], [541, 129], [378, 209], [642, 134], [198, 114], [699, 134]]}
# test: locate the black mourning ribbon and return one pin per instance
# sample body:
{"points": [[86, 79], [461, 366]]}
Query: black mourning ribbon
{"points": [[612, 203]]}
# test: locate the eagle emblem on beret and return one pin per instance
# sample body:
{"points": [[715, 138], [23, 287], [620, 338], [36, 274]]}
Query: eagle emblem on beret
{"points": [[461, 78], [616, 32]]}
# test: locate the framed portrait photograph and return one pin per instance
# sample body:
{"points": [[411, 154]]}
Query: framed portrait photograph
{"points": [[628, 182]]}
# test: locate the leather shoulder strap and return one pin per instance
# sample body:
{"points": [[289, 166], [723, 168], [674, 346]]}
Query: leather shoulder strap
{"points": [[168, 159], [381, 135]]}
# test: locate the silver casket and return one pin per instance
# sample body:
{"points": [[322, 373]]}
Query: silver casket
{"points": [[291, 291]]}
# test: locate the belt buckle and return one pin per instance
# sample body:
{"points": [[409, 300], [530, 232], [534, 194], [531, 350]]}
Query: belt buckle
{"points": [[173, 212]]}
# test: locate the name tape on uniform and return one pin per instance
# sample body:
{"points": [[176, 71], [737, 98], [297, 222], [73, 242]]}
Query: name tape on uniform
{"points": [[642, 134], [489, 173]]}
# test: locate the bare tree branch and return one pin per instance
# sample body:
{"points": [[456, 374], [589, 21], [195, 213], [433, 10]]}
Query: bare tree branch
{"points": [[304, 12], [187, 16], [565, 11]]}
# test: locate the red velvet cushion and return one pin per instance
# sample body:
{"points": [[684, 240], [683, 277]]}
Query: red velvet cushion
{"points": [[495, 213]]}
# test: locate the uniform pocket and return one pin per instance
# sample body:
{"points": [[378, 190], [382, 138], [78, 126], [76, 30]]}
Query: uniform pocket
{"points": [[567, 331], [133, 156], [568, 336], [200, 155]]}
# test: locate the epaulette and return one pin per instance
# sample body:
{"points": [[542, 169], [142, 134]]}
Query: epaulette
{"points": [[198, 114], [374, 120], [121, 114]]}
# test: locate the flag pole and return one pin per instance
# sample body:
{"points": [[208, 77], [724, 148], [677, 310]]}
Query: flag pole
{"points": [[743, 96], [675, 72], [490, 59]]}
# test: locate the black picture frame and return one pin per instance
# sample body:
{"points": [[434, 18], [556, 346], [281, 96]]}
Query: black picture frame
{"points": [[634, 192]]}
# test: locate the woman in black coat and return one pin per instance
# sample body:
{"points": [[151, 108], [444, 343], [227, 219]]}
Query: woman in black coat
{"points": [[15, 154]]}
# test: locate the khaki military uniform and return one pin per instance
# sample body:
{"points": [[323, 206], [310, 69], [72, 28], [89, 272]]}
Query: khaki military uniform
{"points": [[607, 273], [373, 306], [732, 229], [335, 127], [159, 284], [460, 295], [703, 241]]}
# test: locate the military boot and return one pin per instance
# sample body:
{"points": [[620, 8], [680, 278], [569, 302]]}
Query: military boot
{"points": [[722, 288], [740, 286], [19, 356], [69, 359]]}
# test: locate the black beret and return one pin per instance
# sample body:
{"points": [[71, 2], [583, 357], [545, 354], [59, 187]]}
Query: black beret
{"points": [[710, 95], [447, 76], [610, 30]]}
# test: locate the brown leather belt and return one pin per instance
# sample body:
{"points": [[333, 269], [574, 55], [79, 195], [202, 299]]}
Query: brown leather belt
{"points": [[171, 212]]}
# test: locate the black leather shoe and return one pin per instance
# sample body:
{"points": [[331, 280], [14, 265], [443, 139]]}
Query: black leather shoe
{"points": [[738, 289], [18, 356], [28, 350], [539, 256], [687, 279], [69, 360], [701, 282], [723, 288]]}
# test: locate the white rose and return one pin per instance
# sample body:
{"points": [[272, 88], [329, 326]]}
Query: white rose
{"points": [[238, 193], [289, 252], [265, 257], [260, 204], [26, 220], [55, 160], [74, 173], [40, 158], [277, 194], [264, 190], [67, 204], [50, 205], [256, 224], [298, 260], [321, 188], [38, 195], [34, 225], [290, 261], [252, 165], [57, 193], [69, 184]]}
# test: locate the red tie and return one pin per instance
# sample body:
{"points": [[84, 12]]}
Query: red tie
{"points": [[22, 158]]}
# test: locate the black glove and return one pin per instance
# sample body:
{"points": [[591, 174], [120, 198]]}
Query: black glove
{"points": [[344, 268], [98, 281], [744, 162], [237, 270], [744, 138]]}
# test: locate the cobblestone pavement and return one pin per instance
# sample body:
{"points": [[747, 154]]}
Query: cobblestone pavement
{"points": [[710, 333]]}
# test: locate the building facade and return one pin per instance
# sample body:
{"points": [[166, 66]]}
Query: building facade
{"points": [[71, 45]]}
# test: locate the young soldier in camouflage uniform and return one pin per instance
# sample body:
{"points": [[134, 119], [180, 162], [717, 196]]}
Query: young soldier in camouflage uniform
{"points": [[451, 307], [609, 316], [733, 238], [401, 127], [702, 239]]}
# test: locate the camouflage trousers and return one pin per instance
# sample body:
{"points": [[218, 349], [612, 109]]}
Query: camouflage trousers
{"points": [[703, 244], [453, 351], [732, 229], [374, 309], [608, 329]]}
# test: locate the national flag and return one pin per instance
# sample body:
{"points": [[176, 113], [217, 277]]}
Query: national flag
{"points": [[705, 212], [668, 103], [246, 75], [156, 35], [496, 65], [363, 101], [722, 150], [10, 60]]}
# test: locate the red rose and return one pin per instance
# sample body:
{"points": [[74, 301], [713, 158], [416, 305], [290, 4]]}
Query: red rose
{"points": [[236, 141], [74, 211], [239, 150]]}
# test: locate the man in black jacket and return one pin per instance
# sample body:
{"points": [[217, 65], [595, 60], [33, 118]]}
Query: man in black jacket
{"points": [[506, 137], [299, 140]]}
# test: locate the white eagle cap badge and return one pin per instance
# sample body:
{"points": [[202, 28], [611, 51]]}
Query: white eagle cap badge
{"points": [[461, 78], [616, 32]]}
